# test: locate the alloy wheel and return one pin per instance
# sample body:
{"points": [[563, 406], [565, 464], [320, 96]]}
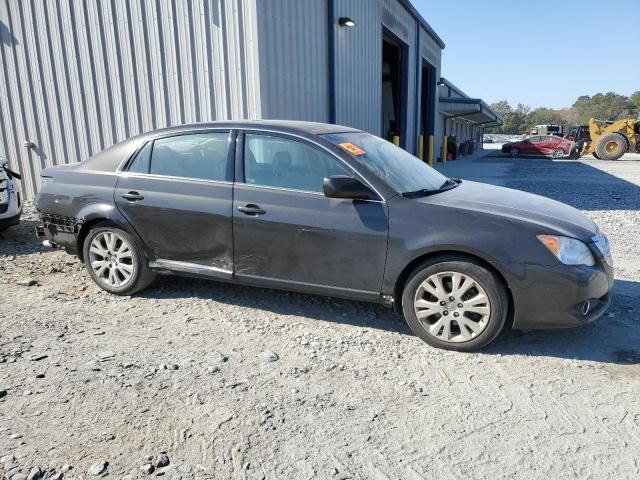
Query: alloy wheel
{"points": [[452, 306], [111, 259]]}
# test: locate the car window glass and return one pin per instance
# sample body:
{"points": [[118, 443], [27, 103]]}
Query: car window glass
{"points": [[535, 139], [141, 161], [198, 155], [279, 162]]}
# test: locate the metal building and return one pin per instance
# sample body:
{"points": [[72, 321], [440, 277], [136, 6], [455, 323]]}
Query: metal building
{"points": [[463, 119], [79, 76]]}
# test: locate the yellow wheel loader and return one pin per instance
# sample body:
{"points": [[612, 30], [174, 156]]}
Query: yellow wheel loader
{"points": [[610, 140]]}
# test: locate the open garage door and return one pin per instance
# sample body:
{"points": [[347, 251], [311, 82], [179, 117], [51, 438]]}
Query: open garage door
{"points": [[394, 89]]}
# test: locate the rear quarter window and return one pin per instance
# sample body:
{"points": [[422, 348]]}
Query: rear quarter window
{"points": [[142, 160]]}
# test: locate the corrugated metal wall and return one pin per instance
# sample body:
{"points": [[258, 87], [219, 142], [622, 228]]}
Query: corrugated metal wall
{"points": [[78, 76], [292, 35], [359, 65]]}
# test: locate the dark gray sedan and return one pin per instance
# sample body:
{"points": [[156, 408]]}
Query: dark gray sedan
{"points": [[328, 210]]}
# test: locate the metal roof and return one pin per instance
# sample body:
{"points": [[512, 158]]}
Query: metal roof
{"points": [[473, 110], [407, 4]]}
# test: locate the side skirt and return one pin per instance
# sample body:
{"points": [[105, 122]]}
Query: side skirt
{"points": [[215, 273]]}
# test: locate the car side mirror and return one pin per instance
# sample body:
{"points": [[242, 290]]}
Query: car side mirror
{"points": [[343, 186]]}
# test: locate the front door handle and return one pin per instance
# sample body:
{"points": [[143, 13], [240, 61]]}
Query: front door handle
{"points": [[132, 196], [252, 209]]}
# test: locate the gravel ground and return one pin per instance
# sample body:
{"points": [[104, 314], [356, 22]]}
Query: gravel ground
{"points": [[200, 380]]}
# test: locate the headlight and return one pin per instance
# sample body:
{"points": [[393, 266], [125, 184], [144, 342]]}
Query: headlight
{"points": [[568, 250]]}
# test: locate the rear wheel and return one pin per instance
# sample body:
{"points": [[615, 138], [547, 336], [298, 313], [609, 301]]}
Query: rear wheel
{"points": [[611, 146], [115, 261], [455, 304]]}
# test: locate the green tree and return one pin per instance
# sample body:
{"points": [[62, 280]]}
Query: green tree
{"points": [[635, 101], [515, 119], [543, 116], [609, 106]]}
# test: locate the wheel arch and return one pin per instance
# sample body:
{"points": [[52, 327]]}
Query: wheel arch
{"points": [[97, 215], [444, 254], [87, 226]]}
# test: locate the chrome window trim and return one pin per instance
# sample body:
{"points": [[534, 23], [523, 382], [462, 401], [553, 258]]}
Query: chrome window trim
{"points": [[309, 192], [172, 178]]}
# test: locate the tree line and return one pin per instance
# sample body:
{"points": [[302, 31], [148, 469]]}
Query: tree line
{"points": [[607, 106]]}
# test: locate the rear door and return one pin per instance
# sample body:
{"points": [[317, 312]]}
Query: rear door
{"points": [[287, 233], [552, 144], [535, 144], [543, 147], [177, 194]]}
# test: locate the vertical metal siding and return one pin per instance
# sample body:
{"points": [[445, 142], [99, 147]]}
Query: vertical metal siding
{"points": [[77, 77], [293, 50], [359, 63]]}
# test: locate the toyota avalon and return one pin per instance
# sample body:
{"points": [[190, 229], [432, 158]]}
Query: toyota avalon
{"points": [[328, 210]]}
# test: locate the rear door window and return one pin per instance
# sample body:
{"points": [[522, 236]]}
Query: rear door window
{"points": [[202, 156]]}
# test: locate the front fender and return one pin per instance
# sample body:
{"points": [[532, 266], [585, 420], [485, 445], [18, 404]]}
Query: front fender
{"points": [[420, 230]]}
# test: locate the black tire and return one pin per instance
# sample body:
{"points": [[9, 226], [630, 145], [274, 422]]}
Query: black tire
{"points": [[514, 152], [595, 155], [558, 153], [611, 146], [493, 286], [141, 275]]}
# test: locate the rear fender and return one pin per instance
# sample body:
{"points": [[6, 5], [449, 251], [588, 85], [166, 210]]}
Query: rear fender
{"points": [[104, 212]]}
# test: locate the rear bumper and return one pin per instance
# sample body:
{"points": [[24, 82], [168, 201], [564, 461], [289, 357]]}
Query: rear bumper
{"points": [[559, 297], [59, 230]]}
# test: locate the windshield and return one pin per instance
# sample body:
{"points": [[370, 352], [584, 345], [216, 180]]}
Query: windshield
{"points": [[401, 170]]}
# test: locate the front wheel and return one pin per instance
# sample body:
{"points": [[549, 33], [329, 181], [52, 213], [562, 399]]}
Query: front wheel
{"points": [[115, 261], [558, 153], [455, 304], [611, 146]]}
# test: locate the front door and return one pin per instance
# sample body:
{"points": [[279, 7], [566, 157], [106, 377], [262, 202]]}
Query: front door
{"points": [[288, 233], [177, 194]]}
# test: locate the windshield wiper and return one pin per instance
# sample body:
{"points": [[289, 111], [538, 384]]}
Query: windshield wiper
{"points": [[425, 192]]}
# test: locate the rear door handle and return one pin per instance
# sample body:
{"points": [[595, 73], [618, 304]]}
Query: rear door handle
{"points": [[252, 209], [132, 196]]}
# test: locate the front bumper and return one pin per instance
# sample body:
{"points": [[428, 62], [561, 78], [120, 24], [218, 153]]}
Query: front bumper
{"points": [[559, 297], [11, 211]]}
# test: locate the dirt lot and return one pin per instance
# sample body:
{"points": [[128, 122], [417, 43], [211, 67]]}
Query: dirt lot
{"points": [[244, 383]]}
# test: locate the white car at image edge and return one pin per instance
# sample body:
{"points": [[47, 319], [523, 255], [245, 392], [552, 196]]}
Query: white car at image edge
{"points": [[10, 196]]}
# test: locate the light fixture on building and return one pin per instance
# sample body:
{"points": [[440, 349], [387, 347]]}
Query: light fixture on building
{"points": [[346, 22], [441, 82]]}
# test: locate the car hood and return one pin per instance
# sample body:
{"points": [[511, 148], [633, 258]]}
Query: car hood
{"points": [[550, 215]]}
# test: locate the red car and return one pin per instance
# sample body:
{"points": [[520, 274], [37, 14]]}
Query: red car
{"points": [[547, 145]]}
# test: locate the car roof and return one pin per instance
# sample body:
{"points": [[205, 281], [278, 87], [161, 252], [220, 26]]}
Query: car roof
{"points": [[109, 159], [292, 126]]}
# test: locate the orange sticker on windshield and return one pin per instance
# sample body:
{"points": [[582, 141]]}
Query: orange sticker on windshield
{"points": [[352, 149]]}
